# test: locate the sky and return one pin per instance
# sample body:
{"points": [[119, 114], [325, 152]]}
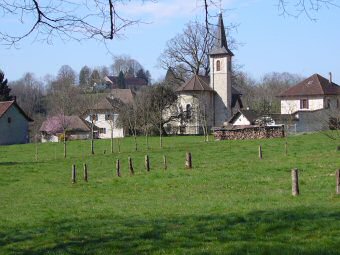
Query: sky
{"points": [[268, 41]]}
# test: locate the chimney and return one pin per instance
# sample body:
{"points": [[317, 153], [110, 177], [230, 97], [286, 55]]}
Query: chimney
{"points": [[330, 78]]}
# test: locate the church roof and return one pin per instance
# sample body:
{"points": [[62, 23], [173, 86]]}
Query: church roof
{"points": [[221, 45], [196, 83], [315, 85]]}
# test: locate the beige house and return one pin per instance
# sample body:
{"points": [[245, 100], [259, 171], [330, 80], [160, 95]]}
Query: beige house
{"points": [[208, 102], [13, 124], [312, 104]]}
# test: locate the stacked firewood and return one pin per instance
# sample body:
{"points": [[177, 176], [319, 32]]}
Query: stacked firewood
{"points": [[250, 132]]}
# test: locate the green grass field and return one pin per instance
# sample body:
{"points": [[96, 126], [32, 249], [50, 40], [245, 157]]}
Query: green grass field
{"points": [[229, 203]]}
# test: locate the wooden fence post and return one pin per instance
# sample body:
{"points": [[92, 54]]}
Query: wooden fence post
{"points": [[188, 160], [73, 173], [165, 163], [131, 166], [147, 163], [85, 173], [260, 152], [337, 177], [118, 168], [295, 182]]}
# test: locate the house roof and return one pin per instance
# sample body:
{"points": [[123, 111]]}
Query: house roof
{"points": [[221, 45], [314, 85], [57, 124], [124, 95], [5, 105], [129, 81], [250, 115]]}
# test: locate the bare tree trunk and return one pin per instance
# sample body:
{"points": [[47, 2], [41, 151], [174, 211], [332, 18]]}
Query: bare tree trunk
{"points": [[147, 139], [337, 178], [64, 144], [85, 173], [165, 163], [92, 142], [160, 135], [147, 163], [36, 148], [118, 140], [135, 139]]}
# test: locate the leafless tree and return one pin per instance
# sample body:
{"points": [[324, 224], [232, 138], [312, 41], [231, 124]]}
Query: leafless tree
{"points": [[76, 20], [125, 64]]}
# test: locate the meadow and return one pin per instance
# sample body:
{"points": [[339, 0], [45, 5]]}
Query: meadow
{"points": [[231, 202]]}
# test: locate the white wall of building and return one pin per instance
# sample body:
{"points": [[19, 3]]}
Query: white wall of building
{"points": [[107, 126], [241, 120], [289, 106], [220, 81]]}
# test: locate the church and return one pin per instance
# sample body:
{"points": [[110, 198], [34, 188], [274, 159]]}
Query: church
{"points": [[209, 101]]}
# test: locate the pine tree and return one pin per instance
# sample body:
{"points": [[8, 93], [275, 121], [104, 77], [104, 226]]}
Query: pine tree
{"points": [[4, 89], [121, 80]]}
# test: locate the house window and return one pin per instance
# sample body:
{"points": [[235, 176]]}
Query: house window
{"points": [[9, 119], [102, 131], [218, 65], [304, 104], [188, 111], [108, 117], [93, 117]]}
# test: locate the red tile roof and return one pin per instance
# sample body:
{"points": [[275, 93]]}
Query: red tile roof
{"points": [[5, 105], [129, 81], [315, 85]]}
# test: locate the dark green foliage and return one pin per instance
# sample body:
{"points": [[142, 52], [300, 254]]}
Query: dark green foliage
{"points": [[4, 89], [121, 80], [142, 75]]}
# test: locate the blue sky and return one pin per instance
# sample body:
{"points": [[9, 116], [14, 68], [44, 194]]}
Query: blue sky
{"points": [[270, 42]]}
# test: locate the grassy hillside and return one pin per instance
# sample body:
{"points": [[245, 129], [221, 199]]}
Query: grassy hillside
{"points": [[229, 203]]}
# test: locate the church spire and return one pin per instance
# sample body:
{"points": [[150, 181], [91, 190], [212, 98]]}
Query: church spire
{"points": [[220, 45]]}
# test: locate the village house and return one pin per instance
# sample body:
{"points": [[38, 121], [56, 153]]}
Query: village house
{"points": [[209, 101], [14, 124], [313, 104], [104, 114], [75, 128]]}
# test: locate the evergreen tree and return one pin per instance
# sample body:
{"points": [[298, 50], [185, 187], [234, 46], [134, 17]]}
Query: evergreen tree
{"points": [[121, 80], [4, 89], [142, 75]]}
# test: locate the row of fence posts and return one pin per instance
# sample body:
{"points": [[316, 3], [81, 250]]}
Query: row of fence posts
{"points": [[188, 165]]}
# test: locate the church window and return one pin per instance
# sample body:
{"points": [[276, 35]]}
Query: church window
{"points": [[188, 111], [218, 65]]}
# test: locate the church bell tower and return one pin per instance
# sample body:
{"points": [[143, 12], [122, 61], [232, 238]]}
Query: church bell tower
{"points": [[220, 76]]}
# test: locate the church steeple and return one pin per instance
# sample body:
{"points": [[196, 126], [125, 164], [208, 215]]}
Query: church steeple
{"points": [[221, 44]]}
